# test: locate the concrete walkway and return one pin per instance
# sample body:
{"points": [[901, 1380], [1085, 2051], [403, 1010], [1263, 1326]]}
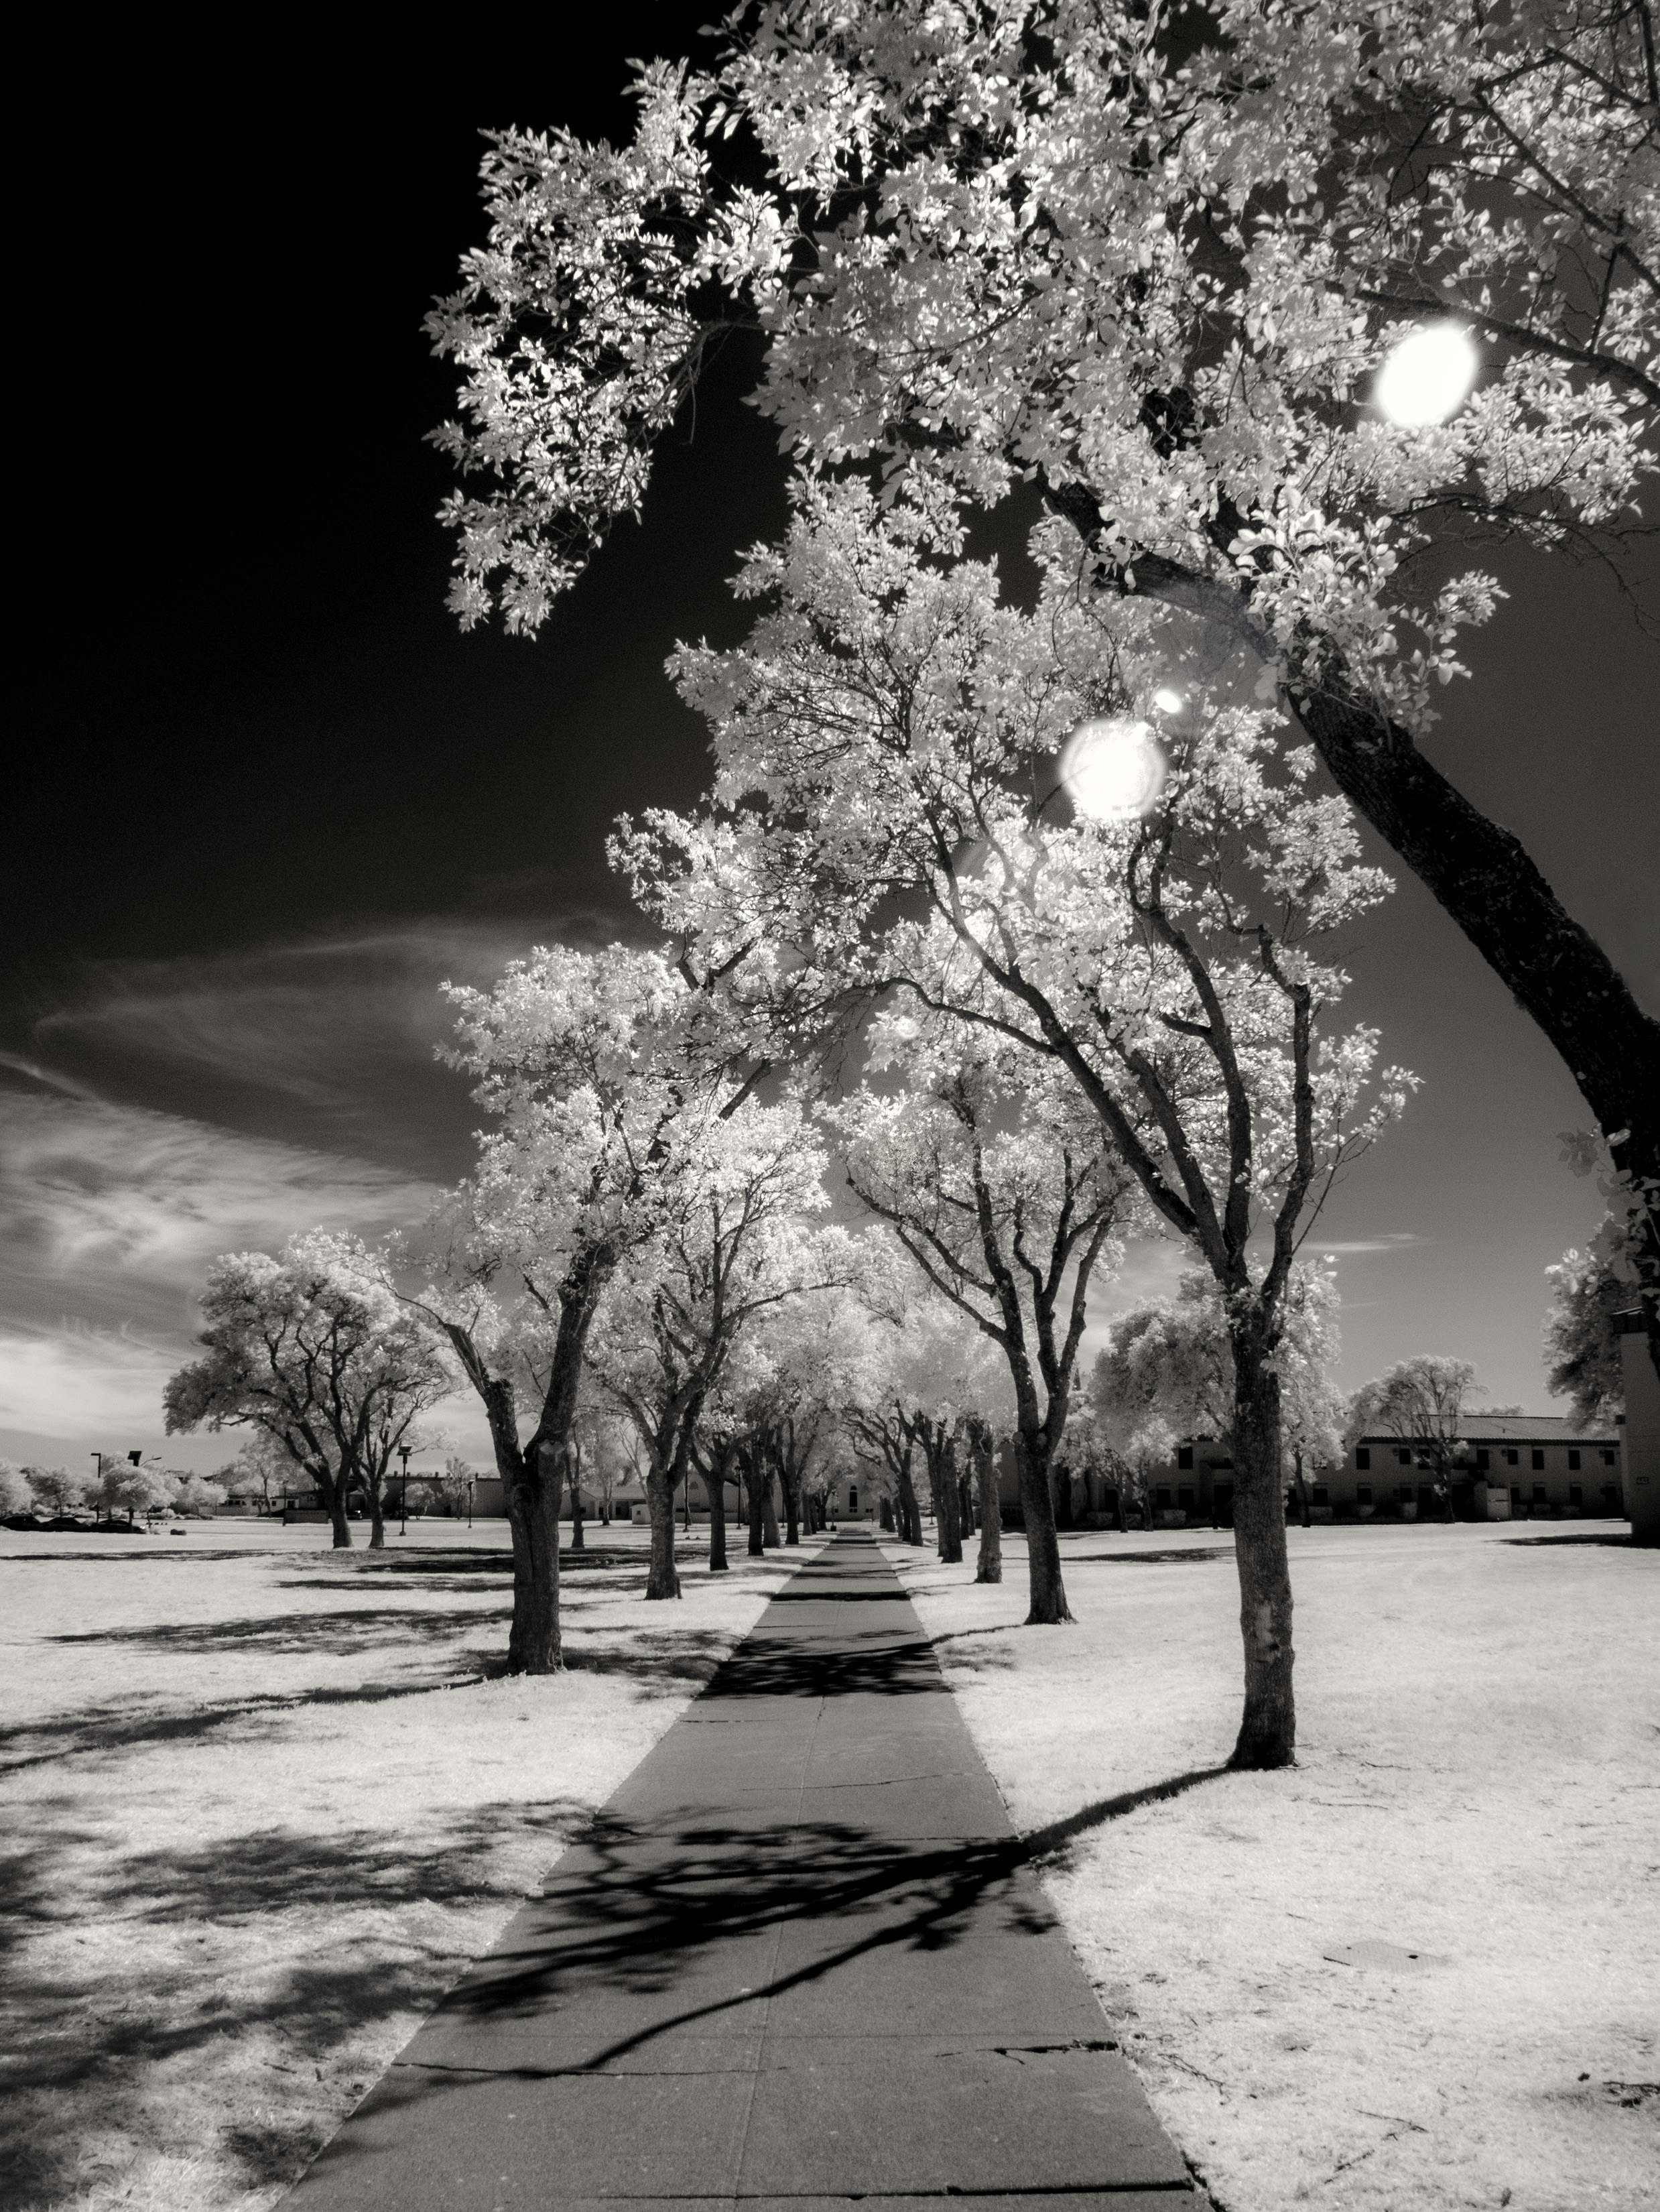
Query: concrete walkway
{"points": [[800, 1959]]}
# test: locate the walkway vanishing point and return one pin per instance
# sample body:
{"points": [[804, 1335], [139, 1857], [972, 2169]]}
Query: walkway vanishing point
{"points": [[800, 1959]]}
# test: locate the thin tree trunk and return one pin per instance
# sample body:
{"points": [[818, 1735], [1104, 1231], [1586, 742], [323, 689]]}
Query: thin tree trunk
{"points": [[769, 1514], [941, 1474], [1118, 1522], [1268, 1731], [792, 1489], [752, 1480], [910, 1517], [1302, 1491], [715, 1482], [1048, 1604], [377, 1519], [578, 1541], [988, 1568]]}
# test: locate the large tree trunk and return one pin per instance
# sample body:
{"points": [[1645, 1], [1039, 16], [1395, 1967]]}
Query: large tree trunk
{"points": [[334, 1499], [1268, 1732], [664, 1580], [790, 1485], [377, 1519], [533, 1646], [1554, 968], [769, 1515], [1048, 1604], [988, 1568]]}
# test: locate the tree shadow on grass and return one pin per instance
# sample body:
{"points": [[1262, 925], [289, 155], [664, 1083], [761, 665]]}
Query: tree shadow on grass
{"points": [[326, 1633], [1621, 1543], [111, 2034]]}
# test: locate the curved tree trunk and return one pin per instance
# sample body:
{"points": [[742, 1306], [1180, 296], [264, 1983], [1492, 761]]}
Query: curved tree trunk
{"points": [[1048, 1604], [1553, 967], [1268, 1731]]}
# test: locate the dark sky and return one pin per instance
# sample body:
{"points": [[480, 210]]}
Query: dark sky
{"points": [[266, 796]]}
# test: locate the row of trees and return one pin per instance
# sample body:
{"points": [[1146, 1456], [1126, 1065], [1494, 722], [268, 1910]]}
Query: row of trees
{"points": [[119, 1485]]}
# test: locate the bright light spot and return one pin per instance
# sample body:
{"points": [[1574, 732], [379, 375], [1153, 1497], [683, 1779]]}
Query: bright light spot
{"points": [[1427, 376], [1168, 701], [1112, 768]]}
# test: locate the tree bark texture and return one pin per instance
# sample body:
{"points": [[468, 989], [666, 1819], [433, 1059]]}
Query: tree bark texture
{"points": [[534, 1644], [942, 1478], [752, 1486], [1268, 1731], [578, 1543], [769, 1515], [910, 1516], [1048, 1600], [790, 1485], [988, 1568], [664, 1580]]}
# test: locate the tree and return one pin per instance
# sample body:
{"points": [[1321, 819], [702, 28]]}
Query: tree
{"points": [[199, 1495], [998, 1183], [58, 1492], [134, 1487], [886, 814], [1422, 1401], [752, 1183], [1168, 1372], [1588, 1289], [1148, 261], [313, 1348], [603, 1073], [16, 1496]]}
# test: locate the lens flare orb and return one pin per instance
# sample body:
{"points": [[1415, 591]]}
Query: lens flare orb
{"points": [[1427, 376], [1112, 768], [1168, 701]]}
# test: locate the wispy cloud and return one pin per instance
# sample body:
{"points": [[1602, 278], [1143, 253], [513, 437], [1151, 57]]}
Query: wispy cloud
{"points": [[1402, 1240]]}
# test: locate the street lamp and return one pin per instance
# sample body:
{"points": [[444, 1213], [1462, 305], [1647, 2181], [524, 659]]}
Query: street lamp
{"points": [[404, 1451], [470, 1481]]}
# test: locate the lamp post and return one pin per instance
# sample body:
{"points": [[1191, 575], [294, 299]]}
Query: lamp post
{"points": [[403, 1500], [470, 1479]]}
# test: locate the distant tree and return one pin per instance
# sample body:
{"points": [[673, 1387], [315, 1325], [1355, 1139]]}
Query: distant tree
{"points": [[1588, 1289], [59, 1491], [1168, 1372], [996, 1177], [1421, 1401], [133, 1487], [199, 1495], [264, 1470], [16, 1494], [313, 1348]]}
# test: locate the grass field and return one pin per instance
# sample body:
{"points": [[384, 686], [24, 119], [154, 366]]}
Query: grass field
{"points": [[262, 1801], [1478, 1782]]}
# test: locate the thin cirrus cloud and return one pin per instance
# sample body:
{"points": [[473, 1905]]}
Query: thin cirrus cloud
{"points": [[327, 1043], [110, 1215]]}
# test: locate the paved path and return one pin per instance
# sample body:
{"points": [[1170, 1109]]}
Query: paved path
{"points": [[799, 1959]]}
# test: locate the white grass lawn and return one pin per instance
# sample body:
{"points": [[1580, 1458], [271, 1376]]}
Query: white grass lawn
{"points": [[261, 1804], [1477, 1781]]}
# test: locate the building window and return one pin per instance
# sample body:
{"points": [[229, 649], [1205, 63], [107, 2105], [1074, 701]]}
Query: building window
{"points": [[1510, 1459], [1183, 1455], [1576, 1495], [1403, 1455], [1363, 1459], [1483, 1461], [1538, 1463], [1161, 1499], [852, 1497], [1539, 1493], [1363, 1494], [1319, 1496], [1607, 1458], [1573, 1462], [1185, 1499], [1516, 1493], [1404, 1493]]}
